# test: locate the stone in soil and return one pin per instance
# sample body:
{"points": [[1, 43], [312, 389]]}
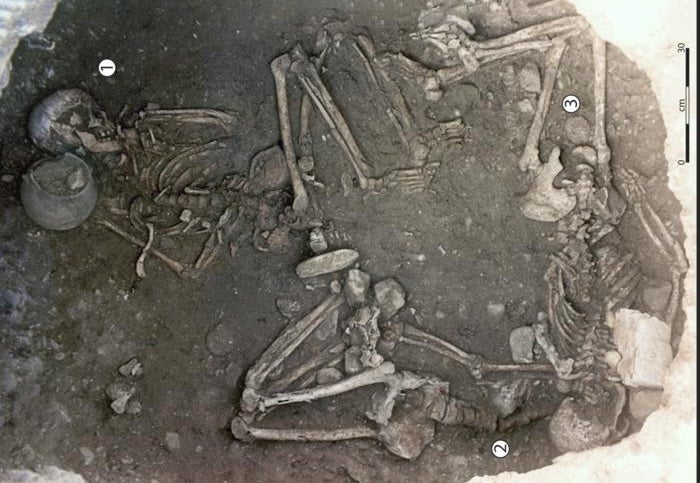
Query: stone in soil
{"points": [[645, 345], [352, 360], [327, 263], [317, 241], [577, 130], [335, 287], [288, 308], [119, 404], [525, 106], [573, 429], [529, 78], [117, 390], [406, 436], [522, 340], [88, 455], [172, 442], [132, 368], [357, 287], [391, 297], [495, 311], [328, 375], [220, 339]]}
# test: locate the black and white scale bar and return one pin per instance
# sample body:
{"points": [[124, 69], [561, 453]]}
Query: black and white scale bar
{"points": [[687, 104]]}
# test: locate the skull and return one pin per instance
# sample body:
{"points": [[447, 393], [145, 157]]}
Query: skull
{"points": [[68, 119]]}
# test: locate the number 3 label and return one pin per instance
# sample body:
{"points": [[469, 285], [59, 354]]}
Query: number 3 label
{"points": [[571, 103]]}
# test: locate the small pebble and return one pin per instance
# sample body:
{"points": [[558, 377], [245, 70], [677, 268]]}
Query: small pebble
{"points": [[525, 106], [328, 375], [288, 308], [7, 178], [529, 78], [132, 368], [117, 390], [119, 404], [335, 286], [317, 241], [172, 442], [88, 455], [391, 297], [496, 311], [186, 216], [306, 164], [356, 287], [522, 341]]}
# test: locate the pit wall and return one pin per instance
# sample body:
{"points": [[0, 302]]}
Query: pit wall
{"points": [[17, 19], [648, 32]]}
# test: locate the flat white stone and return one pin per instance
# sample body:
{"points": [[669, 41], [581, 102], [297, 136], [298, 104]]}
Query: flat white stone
{"points": [[645, 345]]}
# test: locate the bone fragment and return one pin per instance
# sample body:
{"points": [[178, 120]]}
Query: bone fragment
{"points": [[552, 29], [280, 67], [140, 270], [544, 202], [563, 367], [175, 266]]}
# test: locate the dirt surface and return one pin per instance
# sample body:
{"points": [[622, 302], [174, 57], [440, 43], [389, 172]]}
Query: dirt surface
{"points": [[76, 310]]}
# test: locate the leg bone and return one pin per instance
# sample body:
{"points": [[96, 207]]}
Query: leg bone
{"points": [[530, 158], [378, 375], [289, 340], [325, 104], [320, 359], [280, 66], [599, 139], [244, 432]]}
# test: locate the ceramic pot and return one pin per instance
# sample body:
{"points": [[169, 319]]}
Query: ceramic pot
{"points": [[59, 193]]}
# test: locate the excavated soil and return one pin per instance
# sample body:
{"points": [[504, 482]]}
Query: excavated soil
{"points": [[74, 310]]}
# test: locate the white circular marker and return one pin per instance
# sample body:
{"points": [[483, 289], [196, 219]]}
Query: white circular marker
{"points": [[571, 103], [107, 67], [500, 449]]}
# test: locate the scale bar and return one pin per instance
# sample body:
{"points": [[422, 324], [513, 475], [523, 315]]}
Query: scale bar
{"points": [[687, 104]]}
